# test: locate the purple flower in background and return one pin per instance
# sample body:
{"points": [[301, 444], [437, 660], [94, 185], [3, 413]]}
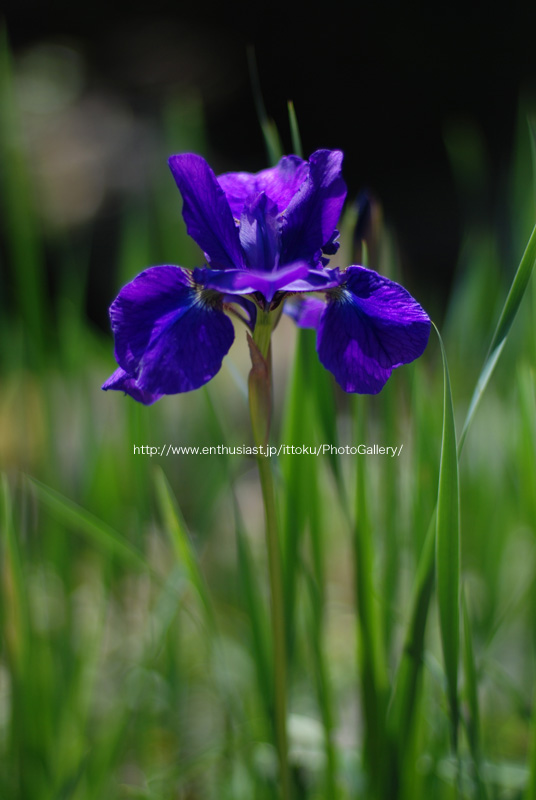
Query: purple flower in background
{"points": [[265, 236]]}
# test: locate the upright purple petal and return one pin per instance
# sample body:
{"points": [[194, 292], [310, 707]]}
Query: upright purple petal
{"points": [[207, 214], [312, 215], [369, 327], [259, 233], [168, 337], [279, 183]]}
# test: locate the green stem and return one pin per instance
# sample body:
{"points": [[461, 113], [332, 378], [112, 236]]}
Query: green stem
{"points": [[263, 331], [260, 402]]}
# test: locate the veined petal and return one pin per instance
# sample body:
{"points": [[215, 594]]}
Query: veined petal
{"points": [[369, 327], [250, 281], [259, 233], [312, 215], [168, 338], [123, 382], [207, 214], [279, 183]]}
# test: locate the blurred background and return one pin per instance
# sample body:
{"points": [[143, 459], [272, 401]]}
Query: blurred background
{"points": [[393, 85]]}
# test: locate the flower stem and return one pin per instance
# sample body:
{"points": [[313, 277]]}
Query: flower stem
{"points": [[263, 331], [278, 623], [260, 405]]}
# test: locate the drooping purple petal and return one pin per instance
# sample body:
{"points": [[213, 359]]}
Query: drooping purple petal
{"points": [[369, 327], [279, 183], [122, 382], [207, 214], [168, 337], [311, 217], [259, 233]]}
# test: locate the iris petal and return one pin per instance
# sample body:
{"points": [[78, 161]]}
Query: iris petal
{"points": [[316, 280], [305, 311], [259, 233], [294, 278], [312, 215], [372, 326], [122, 382], [207, 214], [168, 338], [279, 183]]}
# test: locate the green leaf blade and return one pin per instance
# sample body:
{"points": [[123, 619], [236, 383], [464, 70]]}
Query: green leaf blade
{"points": [[91, 526], [178, 534], [506, 319], [448, 549]]}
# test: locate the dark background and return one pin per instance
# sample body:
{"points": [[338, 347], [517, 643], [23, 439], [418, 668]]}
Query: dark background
{"points": [[382, 82]]}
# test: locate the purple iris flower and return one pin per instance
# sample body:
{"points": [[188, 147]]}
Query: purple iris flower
{"points": [[265, 236]]}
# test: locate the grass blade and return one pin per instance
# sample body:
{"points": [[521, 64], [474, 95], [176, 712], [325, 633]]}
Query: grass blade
{"points": [[180, 540], [272, 142], [14, 612], [316, 638], [510, 309], [448, 549], [297, 147], [21, 229], [404, 701], [256, 613], [530, 792], [471, 696], [372, 667], [81, 520]]}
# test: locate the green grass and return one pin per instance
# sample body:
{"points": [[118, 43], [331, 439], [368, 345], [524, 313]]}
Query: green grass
{"points": [[136, 647]]}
